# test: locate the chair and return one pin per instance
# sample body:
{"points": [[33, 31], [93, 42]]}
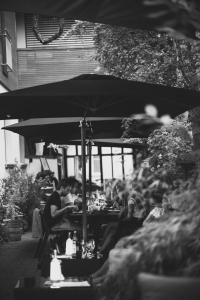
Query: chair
{"points": [[156, 287], [36, 224], [43, 239]]}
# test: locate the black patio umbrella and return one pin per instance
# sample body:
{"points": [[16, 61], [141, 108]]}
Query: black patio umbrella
{"points": [[129, 13], [91, 95], [61, 130], [116, 142]]}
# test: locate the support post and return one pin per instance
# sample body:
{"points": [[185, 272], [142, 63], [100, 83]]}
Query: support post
{"points": [[64, 156], [90, 165], [84, 200], [101, 164]]}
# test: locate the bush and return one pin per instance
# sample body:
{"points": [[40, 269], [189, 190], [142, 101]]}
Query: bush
{"points": [[166, 145], [19, 194], [169, 247]]}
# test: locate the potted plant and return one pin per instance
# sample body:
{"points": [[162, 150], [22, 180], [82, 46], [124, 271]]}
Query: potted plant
{"points": [[19, 196]]}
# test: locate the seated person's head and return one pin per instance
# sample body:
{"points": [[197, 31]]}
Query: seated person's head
{"points": [[76, 189], [63, 187], [74, 185]]}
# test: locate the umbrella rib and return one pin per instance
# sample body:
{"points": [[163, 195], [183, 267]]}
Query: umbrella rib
{"points": [[110, 104], [80, 105]]}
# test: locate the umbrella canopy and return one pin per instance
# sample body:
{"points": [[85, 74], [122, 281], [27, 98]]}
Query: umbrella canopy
{"points": [[109, 143], [129, 13], [170, 16], [93, 95], [61, 130]]}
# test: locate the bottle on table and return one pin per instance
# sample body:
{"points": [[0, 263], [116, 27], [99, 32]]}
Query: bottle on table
{"points": [[69, 249], [83, 250], [75, 244], [55, 269]]}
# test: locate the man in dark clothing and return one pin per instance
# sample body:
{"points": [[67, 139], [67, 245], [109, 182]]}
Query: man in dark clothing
{"points": [[53, 212], [52, 215]]}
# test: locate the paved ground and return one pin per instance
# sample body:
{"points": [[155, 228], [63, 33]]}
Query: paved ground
{"points": [[16, 261]]}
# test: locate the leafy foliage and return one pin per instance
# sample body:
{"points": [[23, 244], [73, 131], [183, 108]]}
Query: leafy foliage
{"points": [[166, 145], [170, 247], [178, 17], [147, 56], [142, 55], [19, 194], [139, 127], [14, 190]]}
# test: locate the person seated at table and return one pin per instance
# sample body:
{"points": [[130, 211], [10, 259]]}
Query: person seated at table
{"points": [[56, 217], [72, 202], [160, 207], [51, 216], [119, 194], [139, 210], [53, 212], [53, 181], [72, 197]]}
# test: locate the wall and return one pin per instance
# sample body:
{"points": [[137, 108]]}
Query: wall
{"points": [[9, 146], [2, 151], [40, 66], [2, 141], [35, 166], [64, 58], [9, 142], [10, 82]]}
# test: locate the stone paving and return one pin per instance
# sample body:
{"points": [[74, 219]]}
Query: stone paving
{"points": [[16, 262]]}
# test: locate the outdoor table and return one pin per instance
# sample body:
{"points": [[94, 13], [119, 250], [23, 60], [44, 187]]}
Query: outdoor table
{"points": [[80, 267], [97, 217], [35, 288], [94, 219], [75, 267]]}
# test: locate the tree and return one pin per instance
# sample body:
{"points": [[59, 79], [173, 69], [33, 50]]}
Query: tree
{"points": [[194, 117], [147, 56], [177, 17], [151, 57]]}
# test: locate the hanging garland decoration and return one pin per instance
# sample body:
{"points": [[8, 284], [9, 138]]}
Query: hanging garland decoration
{"points": [[38, 35]]}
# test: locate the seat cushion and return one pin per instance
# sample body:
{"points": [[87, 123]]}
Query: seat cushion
{"points": [[154, 287]]}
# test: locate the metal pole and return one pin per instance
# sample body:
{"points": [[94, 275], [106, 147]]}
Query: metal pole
{"points": [[101, 165], [64, 153], [84, 200], [123, 170], [90, 165]]}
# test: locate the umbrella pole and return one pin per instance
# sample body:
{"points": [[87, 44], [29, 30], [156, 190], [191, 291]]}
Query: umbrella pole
{"points": [[84, 200], [90, 165]]}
